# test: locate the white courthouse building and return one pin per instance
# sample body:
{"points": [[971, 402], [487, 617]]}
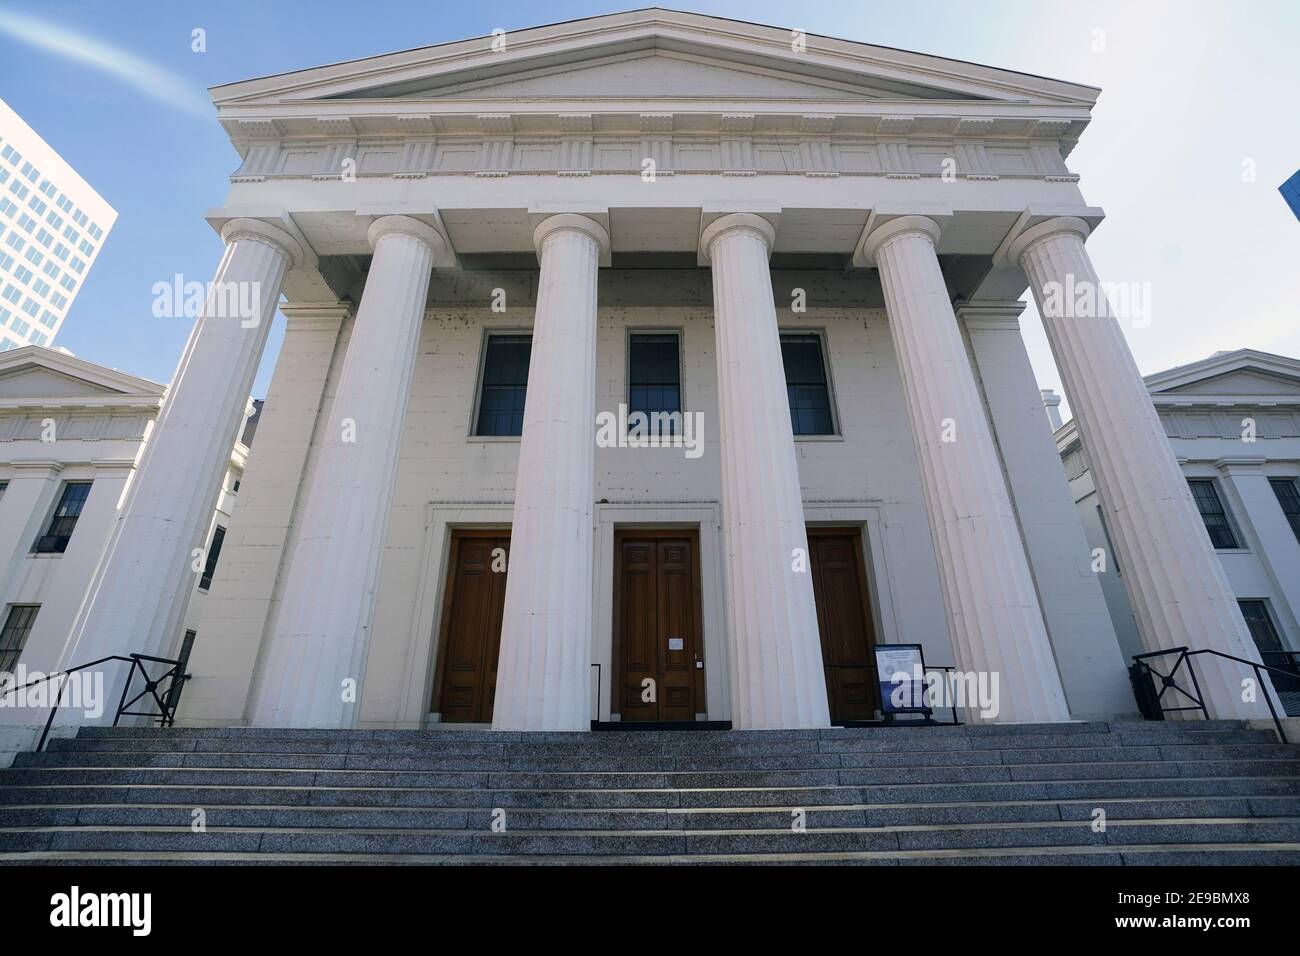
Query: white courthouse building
{"points": [[811, 248], [71, 434], [1233, 423]]}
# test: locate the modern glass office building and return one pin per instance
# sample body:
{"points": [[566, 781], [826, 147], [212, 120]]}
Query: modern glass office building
{"points": [[52, 227], [1290, 191]]}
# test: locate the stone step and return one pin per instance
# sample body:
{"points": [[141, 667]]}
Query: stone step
{"points": [[650, 842], [640, 739], [1209, 792], [514, 780], [906, 795], [632, 744], [653, 763], [1225, 854], [733, 818]]}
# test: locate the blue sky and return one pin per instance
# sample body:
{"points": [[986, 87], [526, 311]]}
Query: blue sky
{"points": [[1196, 97]]}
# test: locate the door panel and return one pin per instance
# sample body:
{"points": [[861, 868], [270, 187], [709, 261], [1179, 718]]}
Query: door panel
{"points": [[844, 620], [472, 627], [657, 634]]}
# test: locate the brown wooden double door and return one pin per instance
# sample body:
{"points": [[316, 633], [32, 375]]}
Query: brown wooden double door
{"points": [[471, 626], [658, 649], [845, 622]]}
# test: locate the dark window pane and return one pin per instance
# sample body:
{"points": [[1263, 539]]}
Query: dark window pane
{"points": [[505, 385], [805, 384], [64, 520], [1212, 513], [1261, 627], [18, 625], [654, 375], [1288, 496], [214, 552]]}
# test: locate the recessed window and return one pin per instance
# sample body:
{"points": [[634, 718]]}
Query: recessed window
{"points": [[654, 377], [504, 386], [1260, 624], [56, 537], [18, 625], [1288, 496], [1213, 514], [805, 384], [214, 552]]}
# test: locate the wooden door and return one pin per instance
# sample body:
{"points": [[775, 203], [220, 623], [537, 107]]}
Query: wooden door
{"points": [[658, 650], [845, 622], [471, 626]]}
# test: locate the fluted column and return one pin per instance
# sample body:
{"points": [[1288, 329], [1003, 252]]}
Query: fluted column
{"points": [[993, 611], [313, 667], [777, 679], [139, 594], [1176, 585], [543, 679]]}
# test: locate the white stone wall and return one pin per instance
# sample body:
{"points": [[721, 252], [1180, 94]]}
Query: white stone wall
{"points": [[866, 475], [1266, 566]]}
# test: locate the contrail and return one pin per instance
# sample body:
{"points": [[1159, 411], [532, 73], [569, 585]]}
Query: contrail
{"points": [[151, 80]]}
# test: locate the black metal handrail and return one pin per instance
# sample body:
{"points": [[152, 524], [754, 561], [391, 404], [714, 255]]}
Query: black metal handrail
{"points": [[1167, 681], [167, 700]]}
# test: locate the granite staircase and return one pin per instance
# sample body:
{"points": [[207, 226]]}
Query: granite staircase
{"points": [[1210, 792]]}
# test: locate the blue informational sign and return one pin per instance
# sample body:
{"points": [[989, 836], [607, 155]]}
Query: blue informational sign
{"points": [[900, 669]]}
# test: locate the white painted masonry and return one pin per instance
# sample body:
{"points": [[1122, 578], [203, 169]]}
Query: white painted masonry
{"points": [[62, 420], [775, 656], [994, 617], [1179, 590], [726, 185], [542, 673], [1233, 419]]}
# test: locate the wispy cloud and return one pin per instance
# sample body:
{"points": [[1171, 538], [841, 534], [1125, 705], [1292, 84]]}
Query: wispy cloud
{"points": [[150, 79]]}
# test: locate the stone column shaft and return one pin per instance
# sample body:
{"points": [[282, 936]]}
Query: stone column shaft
{"points": [[1176, 585], [543, 672], [1093, 671], [321, 633], [777, 679], [139, 595], [996, 622]]}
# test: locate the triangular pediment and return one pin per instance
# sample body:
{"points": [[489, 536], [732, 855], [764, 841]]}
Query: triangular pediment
{"points": [[653, 54], [1242, 382], [1243, 373], [35, 373], [655, 74]]}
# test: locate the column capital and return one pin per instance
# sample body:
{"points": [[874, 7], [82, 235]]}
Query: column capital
{"points": [[1072, 225], [990, 315], [571, 222], [315, 315], [262, 231], [407, 226], [922, 226], [49, 466], [1240, 466], [113, 464], [733, 222]]}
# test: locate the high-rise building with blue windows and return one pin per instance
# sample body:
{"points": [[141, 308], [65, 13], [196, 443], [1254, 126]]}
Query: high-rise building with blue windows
{"points": [[1290, 191], [52, 226]]}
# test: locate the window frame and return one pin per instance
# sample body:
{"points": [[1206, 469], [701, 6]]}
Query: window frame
{"points": [[823, 343], [211, 555], [675, 330], [476, 406], [1269, 618], [48, 524], [1238, 540], [4, 628], [1294, 482]]}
